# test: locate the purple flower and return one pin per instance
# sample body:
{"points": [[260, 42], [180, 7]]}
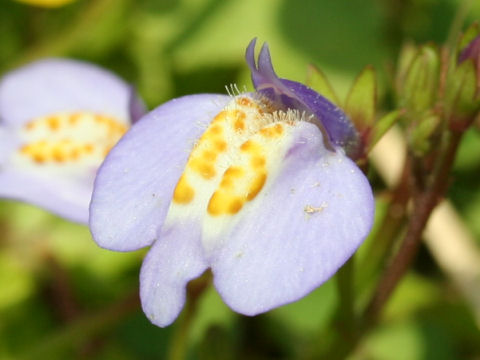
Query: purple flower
{"points": [[245, 185], [58, 119]]}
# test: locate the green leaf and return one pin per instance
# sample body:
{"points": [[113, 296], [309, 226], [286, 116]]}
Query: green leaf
{"points": [[361, 99], [382, 126], [317, 80]]}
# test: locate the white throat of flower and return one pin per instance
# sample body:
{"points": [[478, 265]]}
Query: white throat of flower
{"points": [[67, 142], [235, 159]]}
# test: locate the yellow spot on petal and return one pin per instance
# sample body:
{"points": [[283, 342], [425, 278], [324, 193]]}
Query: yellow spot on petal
{"points": [[224, 203], [74, 118], [221, 116], [183, 193], [258, 161], [220, 145], [64, 137], [239, 125], [88, 148], [256, 185], [209, 155], [204, 168], [57, 154], [216, 130], [272, 132], [38, 158], [234, 172], [53, 123], [30, 125]]}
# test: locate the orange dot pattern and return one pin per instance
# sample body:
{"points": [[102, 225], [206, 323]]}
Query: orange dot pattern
{"points": [[203, 158], [241, 184], [70, 137], [232, 156]]}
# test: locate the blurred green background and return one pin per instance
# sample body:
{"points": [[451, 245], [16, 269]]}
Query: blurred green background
{"points": [[62, 297]]}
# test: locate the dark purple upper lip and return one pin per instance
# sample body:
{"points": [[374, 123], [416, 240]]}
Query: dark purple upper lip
{"points": [[291, 94]]}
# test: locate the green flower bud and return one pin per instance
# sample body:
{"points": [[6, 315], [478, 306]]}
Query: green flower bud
{"points": [[421, 82], [420, 136]]}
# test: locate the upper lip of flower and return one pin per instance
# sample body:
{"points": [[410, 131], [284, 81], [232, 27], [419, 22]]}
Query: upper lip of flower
{"points": [[297, 213], [44, 106], [331, 119]]}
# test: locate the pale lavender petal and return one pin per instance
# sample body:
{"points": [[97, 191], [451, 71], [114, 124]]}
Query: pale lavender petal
{"points": [[136, 106], [64, 197], [8, 144], [298, 232], [135, 184], [55, 85], [291, 94], [175, 258]]}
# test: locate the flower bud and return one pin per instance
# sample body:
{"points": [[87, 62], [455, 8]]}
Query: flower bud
{"points": [[420, 136], [421, 82], [461, 101], [463, 84]]}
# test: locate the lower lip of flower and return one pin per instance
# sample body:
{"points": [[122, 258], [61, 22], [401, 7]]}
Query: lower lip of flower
{"points": [[69, 138]]}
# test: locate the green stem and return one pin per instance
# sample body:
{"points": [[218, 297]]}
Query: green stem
{"points": [[424, 203], [345, 283], [385, 236], [86, 327], [179, 343]]}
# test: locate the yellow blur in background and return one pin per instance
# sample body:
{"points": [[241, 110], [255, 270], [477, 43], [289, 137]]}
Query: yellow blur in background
{"points": [[46, 3]]}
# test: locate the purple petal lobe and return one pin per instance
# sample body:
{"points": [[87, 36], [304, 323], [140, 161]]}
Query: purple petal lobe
{"points": [[136, 105], [68, 199], [175, 258], [54, 85], [340, 130], [299, 231], [134, 186], [472, 51]]}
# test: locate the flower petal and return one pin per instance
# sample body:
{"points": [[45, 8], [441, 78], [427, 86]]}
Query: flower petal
{"points": [[54, 85], [338, 127], [299, 231], [67, 196], [175, 258], [63, 197], [137, 107], [135, 184]]}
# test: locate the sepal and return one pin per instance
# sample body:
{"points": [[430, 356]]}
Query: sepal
{"points": [[318, 81], [381, 127], [462, 102], [361, 100]]}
